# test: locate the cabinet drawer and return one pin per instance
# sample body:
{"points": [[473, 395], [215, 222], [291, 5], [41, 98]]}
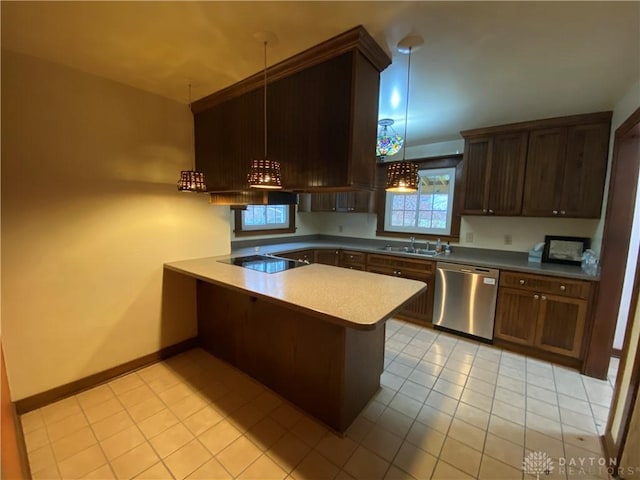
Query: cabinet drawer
{"points": [[543, 284], [301, 255], [398, 263], [350, 258]]}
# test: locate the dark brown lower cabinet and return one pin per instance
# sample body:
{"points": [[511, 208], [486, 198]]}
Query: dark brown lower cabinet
{"points": [[329, 370], [300, 255], [352, 259], [328, 257], [546, 314], [419, 309], [516, 316]]}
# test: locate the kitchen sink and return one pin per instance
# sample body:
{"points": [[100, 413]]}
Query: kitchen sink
{"points": [[416, 251]]}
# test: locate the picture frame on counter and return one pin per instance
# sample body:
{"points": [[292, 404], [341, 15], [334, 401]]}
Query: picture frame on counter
{"points": [[565, 250]]}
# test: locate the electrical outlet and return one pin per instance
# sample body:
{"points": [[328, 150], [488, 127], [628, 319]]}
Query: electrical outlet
{"points": [[469, 237], [507, 239]]}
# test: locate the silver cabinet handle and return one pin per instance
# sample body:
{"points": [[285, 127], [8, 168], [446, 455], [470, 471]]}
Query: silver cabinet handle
{"points": [[521, 282], [562, 212], [543, 297], [484, 210], [562, 288], [490, 211], [399, 273], [555, 212], [536, 297]]}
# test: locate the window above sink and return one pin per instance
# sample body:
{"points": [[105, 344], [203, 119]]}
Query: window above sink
{"points": [[427, 211]]}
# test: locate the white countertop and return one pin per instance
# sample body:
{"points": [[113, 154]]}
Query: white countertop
{"points": [[347, 297]]}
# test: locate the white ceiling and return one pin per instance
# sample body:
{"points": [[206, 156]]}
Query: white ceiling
{"points": [[483, 63]]}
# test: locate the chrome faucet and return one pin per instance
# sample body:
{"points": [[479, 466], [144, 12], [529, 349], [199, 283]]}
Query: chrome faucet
{"points": [[413, 243]]}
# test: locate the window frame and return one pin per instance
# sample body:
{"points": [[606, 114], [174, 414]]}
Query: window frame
{"points": [[445, 161], [239, 231]]}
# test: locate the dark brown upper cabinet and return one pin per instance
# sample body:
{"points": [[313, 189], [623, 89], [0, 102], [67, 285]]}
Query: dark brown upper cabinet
{"points": [[566, 169], [322, 109], [493, 173], [345, 202], [544, 168]]}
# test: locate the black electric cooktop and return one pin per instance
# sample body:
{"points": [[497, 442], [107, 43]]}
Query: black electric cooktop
{"points": [[264, 263]]}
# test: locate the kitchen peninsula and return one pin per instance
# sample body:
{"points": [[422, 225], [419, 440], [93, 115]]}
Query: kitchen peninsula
{"points": [[314, 334]]}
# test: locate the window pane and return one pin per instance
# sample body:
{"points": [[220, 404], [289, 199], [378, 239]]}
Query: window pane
{"points": [[440, 202], [439, 219], [410, 202], [398, 202], [409, 219], [424, 219], [397, 218], [426, 202]]}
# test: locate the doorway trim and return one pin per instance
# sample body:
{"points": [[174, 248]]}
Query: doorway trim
{"points": [[623, 186]]}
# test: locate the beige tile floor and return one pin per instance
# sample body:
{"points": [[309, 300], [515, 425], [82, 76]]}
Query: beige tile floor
{"points": [[449, 408]]}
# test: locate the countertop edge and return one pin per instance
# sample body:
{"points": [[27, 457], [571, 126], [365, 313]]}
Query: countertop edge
{"points": [[293, 306]]}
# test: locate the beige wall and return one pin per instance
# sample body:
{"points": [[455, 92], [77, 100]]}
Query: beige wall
{"points": [[488, 232], [90, 212]]}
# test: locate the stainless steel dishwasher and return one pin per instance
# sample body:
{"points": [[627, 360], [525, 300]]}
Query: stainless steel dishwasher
{"points": [[465, 299]]}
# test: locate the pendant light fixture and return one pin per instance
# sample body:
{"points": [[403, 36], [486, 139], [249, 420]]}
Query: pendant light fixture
{"points": [[387, 144], [192, 180], [264, 173], [402, 177]]}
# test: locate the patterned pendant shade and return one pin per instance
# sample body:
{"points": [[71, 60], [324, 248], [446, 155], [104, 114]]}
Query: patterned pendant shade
{"points": [[191, 181], [388, 143], [264, 174], [402, 177]]}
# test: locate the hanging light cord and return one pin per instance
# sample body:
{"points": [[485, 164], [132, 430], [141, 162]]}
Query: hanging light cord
{"points": [[406, 109], [265, 100], [194, 132]]}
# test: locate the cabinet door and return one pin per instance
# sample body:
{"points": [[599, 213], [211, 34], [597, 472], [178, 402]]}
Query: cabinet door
{"points": [[301, 121], [476, 169], [355, 202], [506, 176], [545, 168], [585, 169], [362, 202], [421, 307], [323, 202], [327, 257], [561, 325], [237, 124], [516, 316]]}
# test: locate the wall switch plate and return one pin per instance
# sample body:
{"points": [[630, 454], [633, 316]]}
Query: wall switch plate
{"points": [[508, 240], [469, 237]]}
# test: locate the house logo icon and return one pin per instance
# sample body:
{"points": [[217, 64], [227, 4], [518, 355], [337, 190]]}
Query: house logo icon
{"points": [[537, 463]]}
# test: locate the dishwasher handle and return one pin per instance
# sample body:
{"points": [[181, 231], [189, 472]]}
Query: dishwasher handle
{"points": [[468, 269]]}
